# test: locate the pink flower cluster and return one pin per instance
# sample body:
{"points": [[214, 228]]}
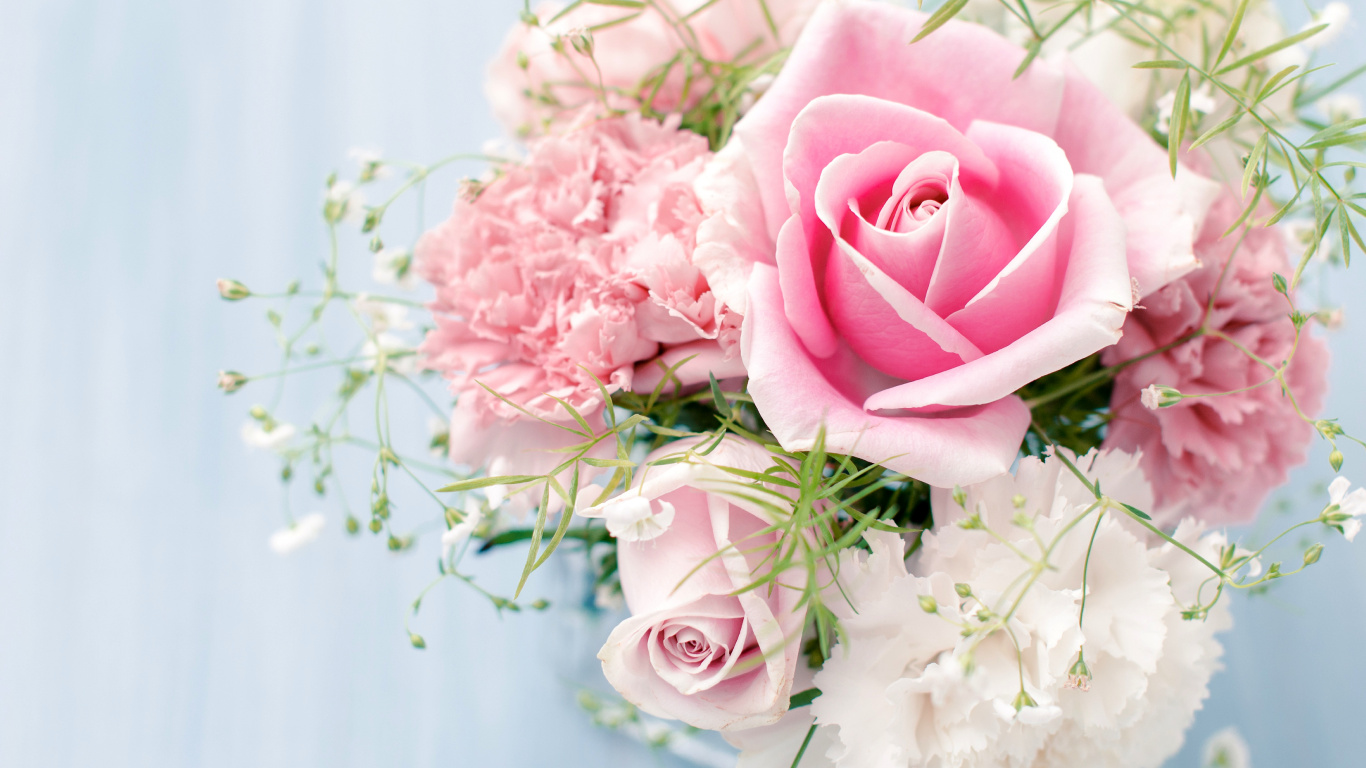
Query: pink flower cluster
{"points": [[1218, 458], [570, 269]]}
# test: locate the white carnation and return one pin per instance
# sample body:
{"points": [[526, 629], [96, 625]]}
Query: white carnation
{"points": [[906, 688]]}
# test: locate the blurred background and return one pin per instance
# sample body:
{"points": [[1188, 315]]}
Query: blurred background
{"points": [[148, 147]]}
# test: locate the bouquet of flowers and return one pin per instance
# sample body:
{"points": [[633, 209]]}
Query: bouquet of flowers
{"points": [[897, 369]]}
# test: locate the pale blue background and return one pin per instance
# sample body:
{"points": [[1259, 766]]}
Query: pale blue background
{"points": [[149, 147]]}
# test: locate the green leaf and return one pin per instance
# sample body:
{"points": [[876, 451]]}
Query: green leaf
{"points": [[1161, 64], [1136, 511], [1226, 124], [1253, 160], [1335, 141], [1342, 233], [1177, 126], [1356, 238], [1312, 96], [595, 462], [1235, 24], [1271, 85], [939, 18], [590, 535], [718, 399], [803, 698], [1273, 48], [1032, 51], [485, 482]]}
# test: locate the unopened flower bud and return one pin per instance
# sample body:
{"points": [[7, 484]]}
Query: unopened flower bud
{"points": [[259, 413], [1024, 700], [376, 244], [1079, 676], [376, 525], [1278, 283], [582, 41], [232, 290], [231, 381], [959, 497], [1313, 554], [963, 590], [928, 604], [529, 19], [523, 61], [1335, 459], [541, 604], [1155, 397], [417, 640], [352, 525], [1018, 500]]}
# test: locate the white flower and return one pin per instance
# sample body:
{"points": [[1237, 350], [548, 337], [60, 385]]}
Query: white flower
{"points": [[1226, 749], [270, 436], [633, 518], [393, 266], [389, 345], [1151, 397], [370, 161], [344, 202], [301, 532], [1340, 107], [456, 535], [1202, 101], [608, 597], [1154, 397], [440, 430], [1336, 16], [1344, 508], [1299, 234], [895, 691], [383, 315]]}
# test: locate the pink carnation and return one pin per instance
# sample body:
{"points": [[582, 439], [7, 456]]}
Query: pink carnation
{"points": [[573, 266], [539, 77], [1217, 458]]}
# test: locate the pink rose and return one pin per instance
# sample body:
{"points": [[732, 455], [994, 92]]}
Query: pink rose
{"points": [[533, 87], [943, 235], [1217, 458], [692, 649]]}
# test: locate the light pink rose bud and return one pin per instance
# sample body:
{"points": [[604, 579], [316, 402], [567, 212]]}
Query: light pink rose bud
{"points": [[693, 649]]}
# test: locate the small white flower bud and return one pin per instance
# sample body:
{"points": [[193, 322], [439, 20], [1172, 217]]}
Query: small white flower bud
{"points": [[231, 381], [1155, 397], [231, 290]]}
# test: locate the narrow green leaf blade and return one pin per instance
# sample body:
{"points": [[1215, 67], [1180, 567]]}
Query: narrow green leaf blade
{"points": [[939, 18], [719, 399], [1136, 511], [1260, 54], [485, 482], [1234, 25], [1177, 126]]}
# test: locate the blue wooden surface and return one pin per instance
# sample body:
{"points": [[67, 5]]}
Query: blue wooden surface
{"points": [[149, 147]]}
